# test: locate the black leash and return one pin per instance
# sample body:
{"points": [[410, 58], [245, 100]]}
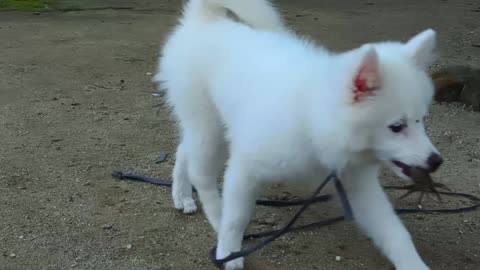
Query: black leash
{"points": [[166, 183], [315, 198]]}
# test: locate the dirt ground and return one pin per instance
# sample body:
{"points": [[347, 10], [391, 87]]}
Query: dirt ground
{"points": [[76, 103]]}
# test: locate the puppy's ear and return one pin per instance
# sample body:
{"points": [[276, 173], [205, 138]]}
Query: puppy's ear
{"points": [[421, 48], [367, 78]]}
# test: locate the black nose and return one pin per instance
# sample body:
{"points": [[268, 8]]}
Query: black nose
{"points": [[434, 161]]}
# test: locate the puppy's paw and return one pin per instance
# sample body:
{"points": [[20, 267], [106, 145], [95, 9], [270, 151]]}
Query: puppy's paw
{"points": [[417, 266], [187, 204], [236, 264]]}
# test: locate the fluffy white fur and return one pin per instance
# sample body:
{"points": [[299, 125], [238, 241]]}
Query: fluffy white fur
{"points": [[276, 107]]}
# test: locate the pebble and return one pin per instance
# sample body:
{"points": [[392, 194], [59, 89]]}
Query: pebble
{"points": [[338, 258], [285, 196], [13, 255], [107, 226], [129, 246], [149, 73], [162, 157]]}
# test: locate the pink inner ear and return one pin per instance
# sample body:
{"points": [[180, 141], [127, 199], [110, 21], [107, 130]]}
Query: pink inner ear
{"points": [[361, 83], [367, 79]]}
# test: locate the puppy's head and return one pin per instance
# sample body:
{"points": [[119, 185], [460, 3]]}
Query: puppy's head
{"points": [[389, 94]]}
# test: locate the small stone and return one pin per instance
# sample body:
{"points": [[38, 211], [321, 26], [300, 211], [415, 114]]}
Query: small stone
{"points": [[338, 258], [13, 255], [149, 73], [129, 246], [285, 196], [107, 226], [162, 157]]}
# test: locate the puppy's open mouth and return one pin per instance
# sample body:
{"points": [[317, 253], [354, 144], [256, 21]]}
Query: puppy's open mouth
{"points": [[406, 169]]}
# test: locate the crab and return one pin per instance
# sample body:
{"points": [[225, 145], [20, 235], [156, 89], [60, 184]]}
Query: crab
{"points": [[424, 184]]}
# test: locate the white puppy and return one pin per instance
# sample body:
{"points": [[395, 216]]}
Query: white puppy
{"points": [[279, 108]]}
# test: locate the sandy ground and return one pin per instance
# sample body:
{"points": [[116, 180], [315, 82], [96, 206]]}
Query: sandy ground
{"points": [[76, 103]]}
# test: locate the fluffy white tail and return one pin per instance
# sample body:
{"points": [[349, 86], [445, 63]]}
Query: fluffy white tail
{"points": [[259, 14]]}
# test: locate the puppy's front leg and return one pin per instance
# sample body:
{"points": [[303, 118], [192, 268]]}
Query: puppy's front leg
{"points": [[239, 194], [375, 215]]}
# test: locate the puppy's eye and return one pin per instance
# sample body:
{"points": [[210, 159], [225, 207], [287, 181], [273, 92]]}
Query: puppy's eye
{"points": [[397, 128]]}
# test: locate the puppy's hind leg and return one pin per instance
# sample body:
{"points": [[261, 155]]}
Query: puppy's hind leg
{"points": [[201, 154], [181, 186], [205, 161]]}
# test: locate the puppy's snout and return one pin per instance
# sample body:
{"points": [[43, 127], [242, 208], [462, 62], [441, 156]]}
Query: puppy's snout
{"points": [[434, 162]]}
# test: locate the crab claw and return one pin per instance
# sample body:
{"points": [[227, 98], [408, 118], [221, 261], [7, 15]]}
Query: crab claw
{"points": [[442, 186]]}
